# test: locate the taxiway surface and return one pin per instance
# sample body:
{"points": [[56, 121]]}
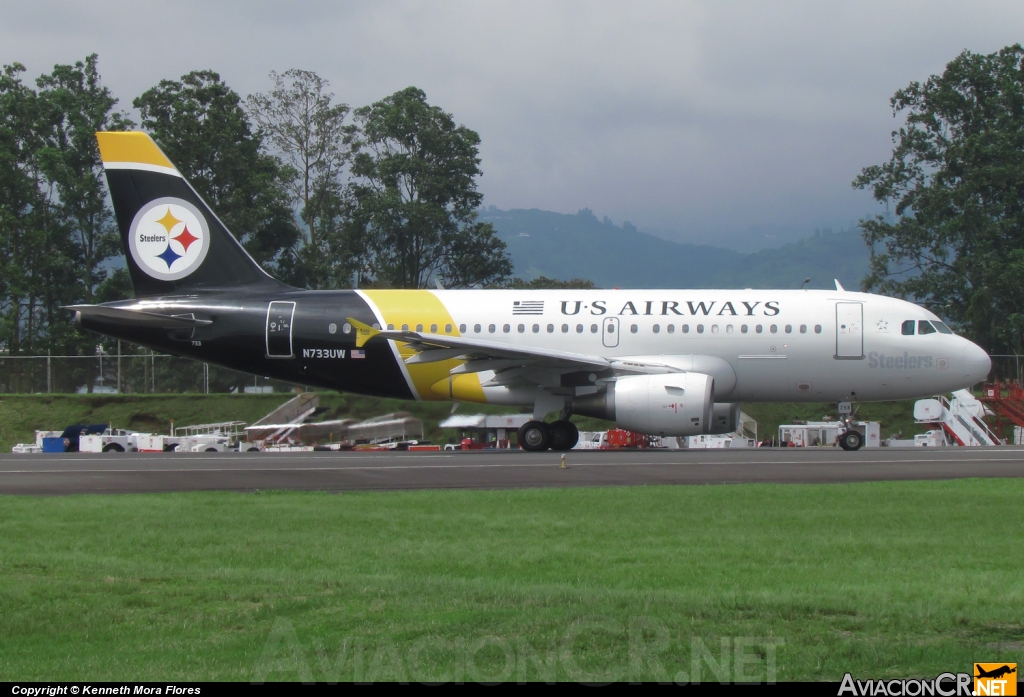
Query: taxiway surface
{"points": [[353, 471]]}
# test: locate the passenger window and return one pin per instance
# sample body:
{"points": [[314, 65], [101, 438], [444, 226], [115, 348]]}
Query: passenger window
{"points": [[817, 329], [419, 327], [633, 328], [462, 329], [728, 329], [536, 328], [565, 328], [925, 327], [656, 328], [941, 326], [686, 329], [700, 328], [521, 328], [492, 328], [593, 329], [714, 328], [447, 329], [789, 328], [506, 328], [391, 327], [759, 329], [803, 328], [774, 329], [743, 329], [671, 329], [579, 328], [551, 329], [477, 328], [433, 329], [405, 327]]}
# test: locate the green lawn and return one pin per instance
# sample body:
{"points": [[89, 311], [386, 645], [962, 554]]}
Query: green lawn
{"points": [[886, 579]]}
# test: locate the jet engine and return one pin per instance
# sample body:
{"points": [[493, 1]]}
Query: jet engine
{"points": [[725, 417], [673, 404]]}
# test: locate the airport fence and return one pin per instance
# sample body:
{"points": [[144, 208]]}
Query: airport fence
{"points": [[134, 371]]}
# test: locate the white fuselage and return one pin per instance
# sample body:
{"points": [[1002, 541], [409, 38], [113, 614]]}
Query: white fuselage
{"points": [[783, 345]]}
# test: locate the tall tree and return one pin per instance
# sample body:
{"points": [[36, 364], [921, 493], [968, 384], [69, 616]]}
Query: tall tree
{"points": [[956, 184], [301, 123], [415, 183], [201, 125], [73, 106], [21, 205]]}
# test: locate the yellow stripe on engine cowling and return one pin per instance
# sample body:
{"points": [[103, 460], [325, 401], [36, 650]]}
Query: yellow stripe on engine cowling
{"points": [[422, 307], [132, 147]]}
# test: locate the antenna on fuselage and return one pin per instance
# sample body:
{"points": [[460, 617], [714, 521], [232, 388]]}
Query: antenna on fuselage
{"points": [[806, 281], [839, 286]]}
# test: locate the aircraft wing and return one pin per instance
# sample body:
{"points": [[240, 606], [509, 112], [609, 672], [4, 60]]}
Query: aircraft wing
{"points": [[511, 364]]}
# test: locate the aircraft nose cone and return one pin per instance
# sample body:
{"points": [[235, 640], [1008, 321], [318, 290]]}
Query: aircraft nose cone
{"points": [[977, 364]]}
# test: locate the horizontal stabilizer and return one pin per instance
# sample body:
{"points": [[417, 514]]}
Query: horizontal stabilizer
{"points": [[139, 318]]}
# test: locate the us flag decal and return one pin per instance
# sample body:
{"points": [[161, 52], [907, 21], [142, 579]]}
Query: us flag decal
{"points": [[528, 307]]}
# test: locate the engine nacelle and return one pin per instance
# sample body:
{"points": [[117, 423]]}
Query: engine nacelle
{"points": [[725, 417], [673, 404]]}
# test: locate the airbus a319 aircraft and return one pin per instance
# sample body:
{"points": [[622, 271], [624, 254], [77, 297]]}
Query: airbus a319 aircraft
{"points": [[661, 362]]}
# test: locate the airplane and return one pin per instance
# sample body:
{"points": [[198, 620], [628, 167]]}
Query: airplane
{"points": [[660, 362], [995, 672]]}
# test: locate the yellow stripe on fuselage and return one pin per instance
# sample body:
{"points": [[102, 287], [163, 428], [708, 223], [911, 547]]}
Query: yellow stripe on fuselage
{"points": [[421, 307]]}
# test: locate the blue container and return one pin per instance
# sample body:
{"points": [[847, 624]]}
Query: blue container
{"points": [[53, 444]]}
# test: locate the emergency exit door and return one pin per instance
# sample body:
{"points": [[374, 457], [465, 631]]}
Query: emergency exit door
{"points": [[610, 332], [279, 329], [849, 330]]}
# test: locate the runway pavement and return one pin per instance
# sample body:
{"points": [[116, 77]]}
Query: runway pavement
{"points": [[353, 471]]}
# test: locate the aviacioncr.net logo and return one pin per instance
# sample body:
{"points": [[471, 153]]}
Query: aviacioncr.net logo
{"points": [[169, 239]]}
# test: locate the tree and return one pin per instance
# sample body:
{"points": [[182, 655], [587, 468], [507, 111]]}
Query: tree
{"points": [[545, 283], [415, 188], [299, 120], [955, 182], [201, 125], [73, 106], [20, 201]]}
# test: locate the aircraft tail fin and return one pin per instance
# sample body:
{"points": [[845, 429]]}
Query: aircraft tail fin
{"points": [[173, 242]]}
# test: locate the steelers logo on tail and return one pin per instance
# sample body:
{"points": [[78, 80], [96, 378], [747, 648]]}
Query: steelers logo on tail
{"points": [[169, 239]]}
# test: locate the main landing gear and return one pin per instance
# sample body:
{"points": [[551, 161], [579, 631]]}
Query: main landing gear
{"points": [[536, 436]]}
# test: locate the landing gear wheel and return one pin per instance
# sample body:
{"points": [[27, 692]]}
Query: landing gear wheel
{"points": [[851, 440], [534, 436], [564, 435]]}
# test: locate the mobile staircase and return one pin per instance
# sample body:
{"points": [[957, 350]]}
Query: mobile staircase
{"points": [[1007, 403], [961, 418]]}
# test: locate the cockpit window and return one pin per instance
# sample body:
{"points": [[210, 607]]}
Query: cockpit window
{"points": [[925, 327], [941, 326], [908, 328]]}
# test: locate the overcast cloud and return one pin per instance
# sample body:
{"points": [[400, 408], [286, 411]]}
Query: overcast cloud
{"points": [[695, 121]]}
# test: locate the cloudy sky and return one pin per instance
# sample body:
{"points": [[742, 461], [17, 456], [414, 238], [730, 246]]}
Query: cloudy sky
{"points": [[738, 123]]}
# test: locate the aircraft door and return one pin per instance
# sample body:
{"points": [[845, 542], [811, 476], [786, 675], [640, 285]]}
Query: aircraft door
{"points": [[610, 332], [849, 330], [279, 329]]}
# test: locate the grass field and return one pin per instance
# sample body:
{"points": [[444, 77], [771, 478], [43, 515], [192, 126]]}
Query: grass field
{"points": [[886, 579], [22, 415]]}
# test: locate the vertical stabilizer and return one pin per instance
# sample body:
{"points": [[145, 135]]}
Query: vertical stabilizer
{"points": [[173, 242]]}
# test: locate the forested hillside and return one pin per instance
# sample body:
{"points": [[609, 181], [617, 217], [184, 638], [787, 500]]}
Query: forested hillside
{"points": [[557, 245]]}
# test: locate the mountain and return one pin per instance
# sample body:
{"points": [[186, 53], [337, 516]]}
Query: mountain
{"points": [[565, 246]]}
